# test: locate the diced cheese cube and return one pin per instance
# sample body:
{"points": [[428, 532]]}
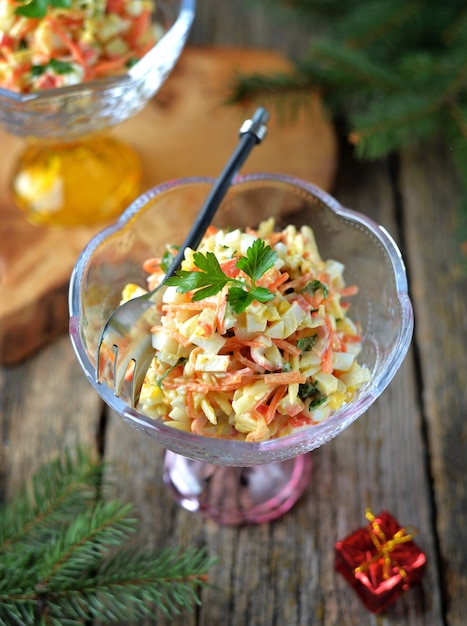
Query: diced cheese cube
{"points": [[170, 295], [188, 328], [276, 330], [212, 362], [256, 318], [246, 241], [248, 397], [327, 383], [342, 361], [178, 414], [356, 376], [211, 344], [164, 342]]}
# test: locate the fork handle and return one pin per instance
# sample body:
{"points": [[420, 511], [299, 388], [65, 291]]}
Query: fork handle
{"points": [[251, 133]]}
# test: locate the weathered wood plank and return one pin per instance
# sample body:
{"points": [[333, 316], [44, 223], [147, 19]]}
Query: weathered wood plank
{"points": [[46, 405], [430, 193]]}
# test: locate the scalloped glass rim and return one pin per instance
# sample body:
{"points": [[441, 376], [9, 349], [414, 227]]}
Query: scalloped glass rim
{"points": [[135, 87], [239, 453]]}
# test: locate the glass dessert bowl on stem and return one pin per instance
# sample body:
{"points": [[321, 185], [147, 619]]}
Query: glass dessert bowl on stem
{"points": [[234, 481], [72, 172]]}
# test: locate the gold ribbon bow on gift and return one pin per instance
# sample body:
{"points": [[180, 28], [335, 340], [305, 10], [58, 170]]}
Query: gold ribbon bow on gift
{"points": [[385, 546]]}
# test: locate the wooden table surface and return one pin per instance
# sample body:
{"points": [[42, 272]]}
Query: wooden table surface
{"points": [[407, 454]]}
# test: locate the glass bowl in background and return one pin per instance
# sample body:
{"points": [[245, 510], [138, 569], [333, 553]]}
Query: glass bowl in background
{"points": [[235, 481], [72, 172]]}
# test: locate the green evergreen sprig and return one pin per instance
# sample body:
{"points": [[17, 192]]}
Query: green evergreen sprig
{"points": [[396, 70], [62, 559]]}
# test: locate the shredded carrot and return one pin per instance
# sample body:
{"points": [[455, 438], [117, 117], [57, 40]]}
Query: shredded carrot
{"points": [[188, 306], [152, 265], [247, 362], [326, 358], [220, 312], [74, 48], [211, 230], [299, 420], [276, 398], [230, 268], [139, 26], [351, 290], [352, 338], [110, 66], [198, 424], [297, 283], [286, 346], [280, 280], [284, 378]]}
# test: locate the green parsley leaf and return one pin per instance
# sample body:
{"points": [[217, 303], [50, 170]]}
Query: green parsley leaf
{"points": [[38, 8], [313, 286], [259, 259], [239, 298], [306, 343], [210, 279], [37, 70], [262, 294], [60, 67], [168, 257], [161, 378], [309, 390]]}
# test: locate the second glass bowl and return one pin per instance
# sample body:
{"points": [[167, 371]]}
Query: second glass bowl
{"points": [[72, 172]]}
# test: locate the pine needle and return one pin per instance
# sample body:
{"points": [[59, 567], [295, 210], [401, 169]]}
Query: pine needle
{"points": [[394, 70], [63, 560]]}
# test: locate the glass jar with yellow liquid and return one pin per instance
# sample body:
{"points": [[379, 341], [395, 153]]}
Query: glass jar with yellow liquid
{"points": [[76, 183]]}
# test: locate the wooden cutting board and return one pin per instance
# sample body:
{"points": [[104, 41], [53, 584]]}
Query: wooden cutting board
{"points": [[186, 130]]}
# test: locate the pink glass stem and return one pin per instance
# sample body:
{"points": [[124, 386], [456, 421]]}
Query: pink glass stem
{"points": [[237, 495]]}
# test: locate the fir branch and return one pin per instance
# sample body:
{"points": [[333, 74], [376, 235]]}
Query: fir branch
{"points": [[62, 560], [394, 70], [287, 92], [387, 125], [59, 489], [377, 21]]}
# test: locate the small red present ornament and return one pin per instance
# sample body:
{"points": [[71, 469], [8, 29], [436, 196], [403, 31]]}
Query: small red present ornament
{"points": [[380, 560]]}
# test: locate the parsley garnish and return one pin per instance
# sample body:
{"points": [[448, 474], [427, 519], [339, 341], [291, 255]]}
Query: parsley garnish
{"points": [[38, 8], [313, 286], [163, 376], [57, 66], [309, 390], [168, 257], [210, 279], [306, 343]]}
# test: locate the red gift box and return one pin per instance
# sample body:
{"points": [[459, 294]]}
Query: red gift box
{"points": [[380, 561]]}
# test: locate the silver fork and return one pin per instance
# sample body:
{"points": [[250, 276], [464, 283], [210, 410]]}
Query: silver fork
{"points": [[126, 337]]}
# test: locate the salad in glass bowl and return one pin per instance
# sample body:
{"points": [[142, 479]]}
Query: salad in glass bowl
{"points": [[254, 339], [72, 172], [293, 367]]}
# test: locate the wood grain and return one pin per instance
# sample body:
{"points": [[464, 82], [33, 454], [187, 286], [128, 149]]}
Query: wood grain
{"points": [[439, 283], [187, 130]]}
